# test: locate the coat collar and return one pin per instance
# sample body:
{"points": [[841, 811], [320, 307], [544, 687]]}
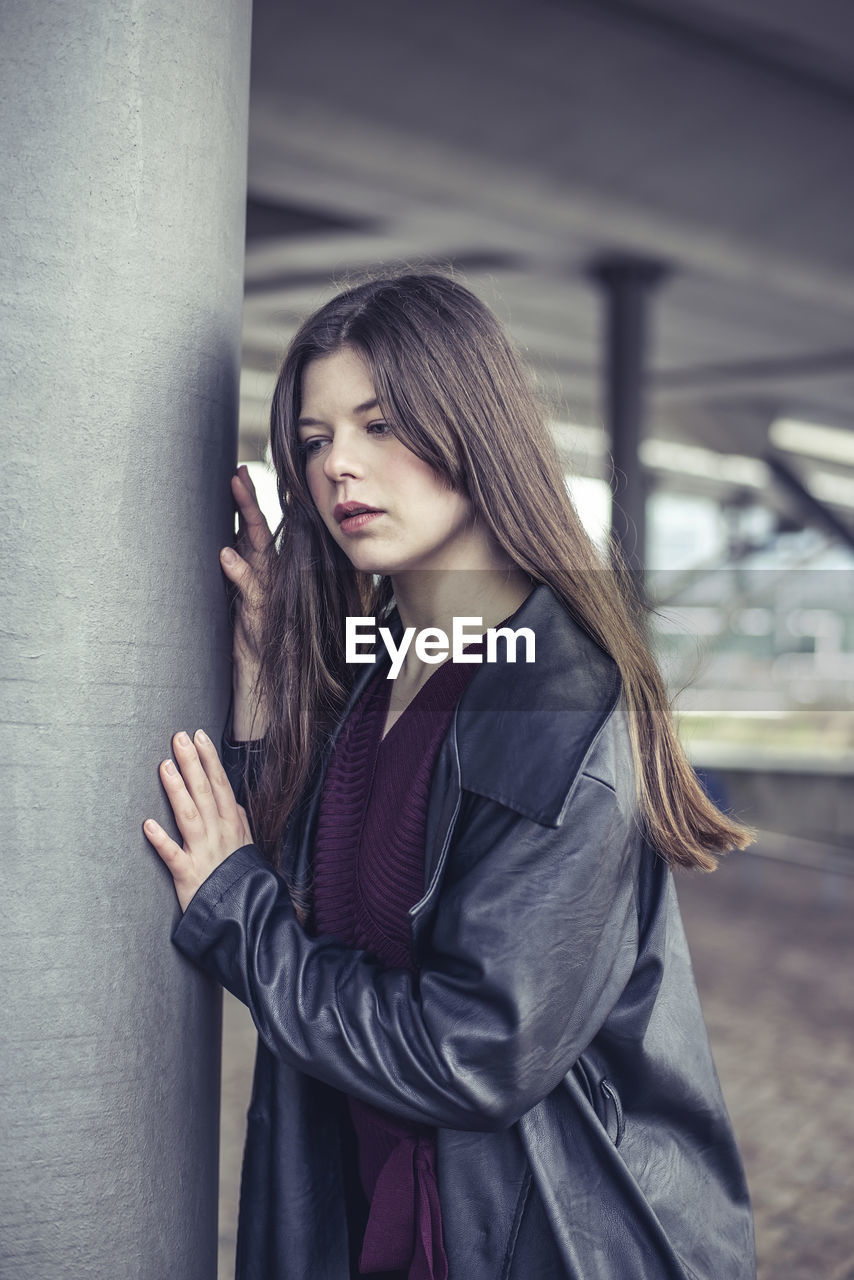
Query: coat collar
{"points": [[520, 735], [523, 730]]}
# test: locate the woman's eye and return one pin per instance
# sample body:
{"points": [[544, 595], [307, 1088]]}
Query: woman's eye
{"points": [[308, 447], [380, 428]]}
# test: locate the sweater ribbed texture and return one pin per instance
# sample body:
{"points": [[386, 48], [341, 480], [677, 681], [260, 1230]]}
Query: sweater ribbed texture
{"points": [[368, 872]]}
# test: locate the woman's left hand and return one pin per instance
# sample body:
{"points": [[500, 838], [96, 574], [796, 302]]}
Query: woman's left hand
{"points": [[209, 818]]}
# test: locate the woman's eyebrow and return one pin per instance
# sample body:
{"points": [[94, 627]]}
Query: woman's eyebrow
{"points": [[360, 408]]}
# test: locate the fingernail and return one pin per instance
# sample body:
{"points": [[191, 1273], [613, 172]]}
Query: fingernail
{"points": [[168, 766], [227, 555], [183, 738], [202, 736]]}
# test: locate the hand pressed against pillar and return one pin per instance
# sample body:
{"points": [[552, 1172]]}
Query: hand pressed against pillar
{"points": [[242, 566], [209, 818]]}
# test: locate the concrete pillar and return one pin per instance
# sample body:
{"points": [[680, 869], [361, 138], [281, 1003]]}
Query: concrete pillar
{"points": [[626, 283], [124, 169]]}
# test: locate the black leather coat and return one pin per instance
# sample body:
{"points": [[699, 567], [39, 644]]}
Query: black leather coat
{"points": [[553, 1032]]}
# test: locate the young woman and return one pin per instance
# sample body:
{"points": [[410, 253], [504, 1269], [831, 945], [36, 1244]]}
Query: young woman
{"points": [[481, 1052]]}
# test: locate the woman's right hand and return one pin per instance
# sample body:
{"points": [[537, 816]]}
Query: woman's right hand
{"points": [[242, 566]]}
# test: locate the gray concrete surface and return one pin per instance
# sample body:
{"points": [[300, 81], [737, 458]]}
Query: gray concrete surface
{"points": [[123, 143], [773, 949]]}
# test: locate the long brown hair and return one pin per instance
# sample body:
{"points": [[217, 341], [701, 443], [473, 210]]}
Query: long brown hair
{"points": [[452, 388]]}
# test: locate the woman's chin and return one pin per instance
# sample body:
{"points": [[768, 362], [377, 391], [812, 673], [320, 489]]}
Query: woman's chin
{"points": [[370, 564]]}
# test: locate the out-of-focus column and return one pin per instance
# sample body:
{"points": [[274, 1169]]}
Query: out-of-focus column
{"points": [[121, 257], [626, 282]]}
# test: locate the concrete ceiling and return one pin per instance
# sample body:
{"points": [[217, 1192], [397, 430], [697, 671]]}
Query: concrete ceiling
{"points": [[519, 141]]}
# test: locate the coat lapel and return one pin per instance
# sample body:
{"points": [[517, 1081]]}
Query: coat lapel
{"points": [[519, 736]]}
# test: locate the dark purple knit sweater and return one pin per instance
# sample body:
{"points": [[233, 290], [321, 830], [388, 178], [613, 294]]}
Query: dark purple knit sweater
{"points": [[368, 872]]}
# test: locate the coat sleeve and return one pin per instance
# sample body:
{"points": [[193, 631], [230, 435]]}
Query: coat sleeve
{"points": [[534, 938]]}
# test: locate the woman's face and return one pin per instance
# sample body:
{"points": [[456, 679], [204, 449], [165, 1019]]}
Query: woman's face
{"points": [[387, 509]]}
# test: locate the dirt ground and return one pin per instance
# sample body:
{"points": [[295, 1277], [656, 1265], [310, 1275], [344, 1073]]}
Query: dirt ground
{"points": [[773, 949]]}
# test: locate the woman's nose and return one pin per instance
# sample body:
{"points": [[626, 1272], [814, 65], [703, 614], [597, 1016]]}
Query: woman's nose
{"points": [[342, 457]]}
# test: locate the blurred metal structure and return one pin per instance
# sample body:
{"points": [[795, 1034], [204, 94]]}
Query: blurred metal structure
{"points": [[626, 284], [124, 156], [813, 509]]}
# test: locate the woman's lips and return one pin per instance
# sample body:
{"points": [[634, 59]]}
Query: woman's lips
{"points": [[352, 524]]}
